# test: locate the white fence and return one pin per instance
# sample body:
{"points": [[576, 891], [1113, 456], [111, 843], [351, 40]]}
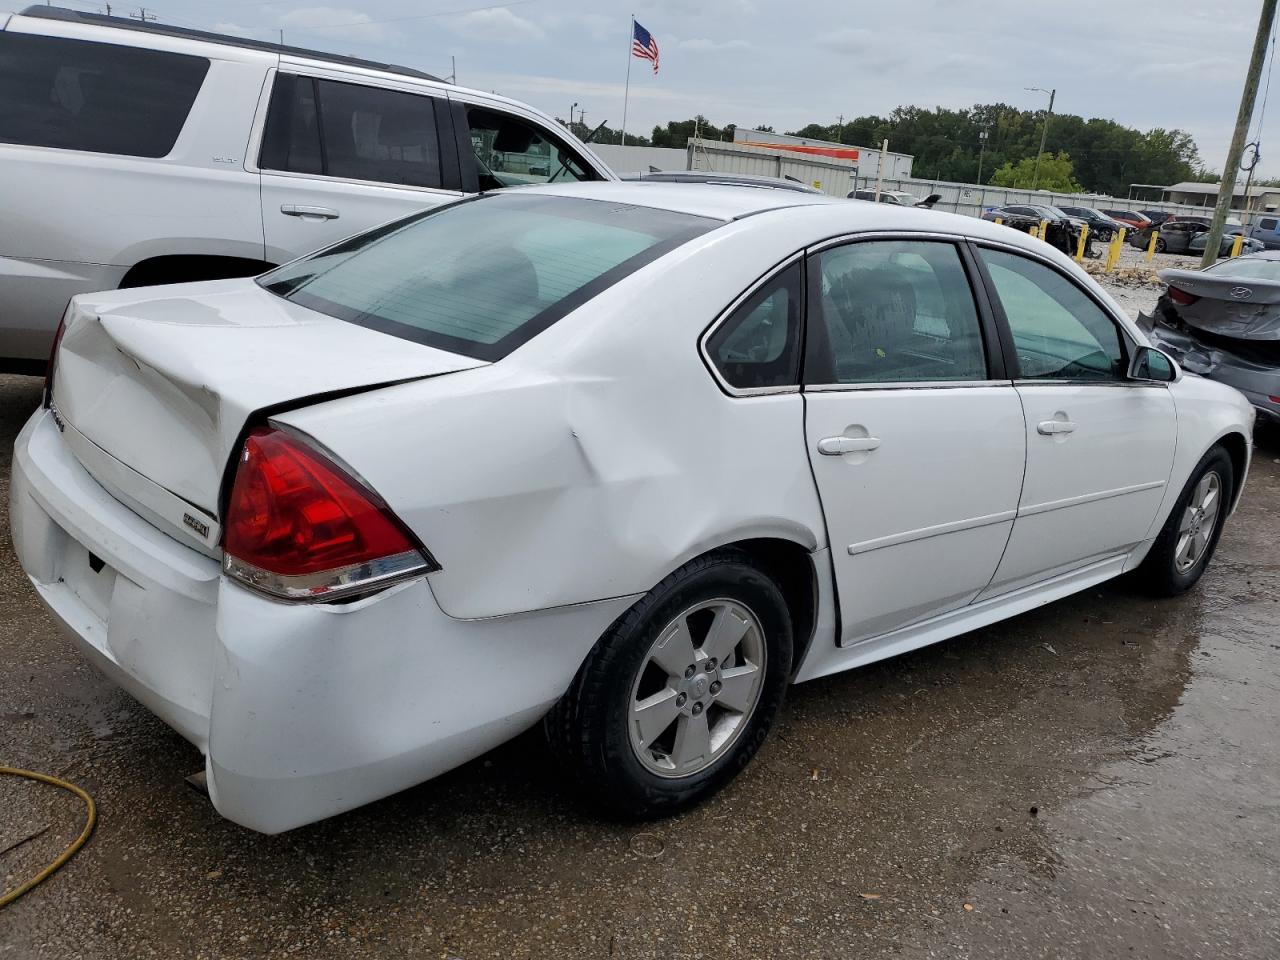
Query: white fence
{"points": [[973, 198]]}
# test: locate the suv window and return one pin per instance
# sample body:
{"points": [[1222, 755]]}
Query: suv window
{"points": [[511, 152], [1059, 333], [481, 276], [895, 311], [99, 97], [759, 346], [351, 131], [1267, 223]]}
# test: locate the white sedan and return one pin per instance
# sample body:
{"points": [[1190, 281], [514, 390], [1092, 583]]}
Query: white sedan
{"points": [[627, 459]]}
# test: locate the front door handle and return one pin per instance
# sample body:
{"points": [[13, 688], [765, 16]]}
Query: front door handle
{"points": [[838, 446], [319, 213], [1049, 428]]}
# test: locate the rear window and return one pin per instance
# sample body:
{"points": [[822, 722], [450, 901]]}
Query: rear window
{"points": [[99, 97], [1251, 268], [483, 276]]}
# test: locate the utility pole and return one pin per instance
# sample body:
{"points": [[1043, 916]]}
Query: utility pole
{"points": [[840, 129], [572, 110], [982, 152], [144, 16], [1236, 153], [1044, 133]]}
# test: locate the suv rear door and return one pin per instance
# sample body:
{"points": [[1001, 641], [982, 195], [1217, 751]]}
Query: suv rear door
{"points": [[338, 155]]}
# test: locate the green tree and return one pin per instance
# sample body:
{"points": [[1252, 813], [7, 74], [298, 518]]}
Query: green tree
{"points": [[1055, 174]]}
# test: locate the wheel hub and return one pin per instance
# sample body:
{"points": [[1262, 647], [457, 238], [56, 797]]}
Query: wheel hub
{"points": [[697, 687]]}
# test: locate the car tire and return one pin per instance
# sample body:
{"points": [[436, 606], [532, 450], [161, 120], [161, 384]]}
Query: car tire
{"points": [[1170, 568], [596, 727], [1160, 245]]}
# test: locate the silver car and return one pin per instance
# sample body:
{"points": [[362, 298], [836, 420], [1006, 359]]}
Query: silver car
{"points": [[1224, 323]]}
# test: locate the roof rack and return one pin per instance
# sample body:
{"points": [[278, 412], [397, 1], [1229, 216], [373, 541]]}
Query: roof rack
{"points": [[122, 23]]}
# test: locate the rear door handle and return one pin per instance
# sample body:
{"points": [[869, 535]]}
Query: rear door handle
{"points": [[1049, 428], [838, 446], [319, 213]]}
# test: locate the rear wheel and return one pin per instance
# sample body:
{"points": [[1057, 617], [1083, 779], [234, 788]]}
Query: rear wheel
{"points": [[677, 697], [1160, 244], [1186, 542]]}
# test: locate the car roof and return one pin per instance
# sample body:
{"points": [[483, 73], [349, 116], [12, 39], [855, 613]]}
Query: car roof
{"points": [[721, 201], [66, 15]]}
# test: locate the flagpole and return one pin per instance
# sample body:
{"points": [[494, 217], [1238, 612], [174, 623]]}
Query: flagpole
{"points": [[631, 36]]}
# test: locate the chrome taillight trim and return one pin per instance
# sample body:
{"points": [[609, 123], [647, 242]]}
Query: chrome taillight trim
{"points": [[326, 585]]}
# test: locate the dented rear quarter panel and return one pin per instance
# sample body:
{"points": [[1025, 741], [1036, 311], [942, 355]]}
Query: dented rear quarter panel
{"points": [[598, 457]]}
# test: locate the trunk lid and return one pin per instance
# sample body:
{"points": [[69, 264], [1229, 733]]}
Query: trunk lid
{"points": [[1238, 307], [155, 385]]}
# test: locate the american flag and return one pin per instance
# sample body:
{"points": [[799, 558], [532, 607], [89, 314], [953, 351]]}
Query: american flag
{"points": [[644, 46]]}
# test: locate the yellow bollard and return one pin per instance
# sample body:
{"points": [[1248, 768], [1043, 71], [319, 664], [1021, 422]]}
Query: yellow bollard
{"points": [[1235, 247], [1033, 231], [1044, 229], [1151, 247], [1000, 220], [1084, 238]]}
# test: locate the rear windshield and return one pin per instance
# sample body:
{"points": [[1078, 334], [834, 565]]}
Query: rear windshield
{"points": [[482, 276], [80, 95], [1251, 268]]}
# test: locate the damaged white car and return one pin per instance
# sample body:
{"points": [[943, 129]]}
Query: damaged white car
{"points": [[627, 459]]}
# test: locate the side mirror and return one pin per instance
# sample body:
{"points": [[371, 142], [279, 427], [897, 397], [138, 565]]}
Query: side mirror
{"points": [[1153, 365]]}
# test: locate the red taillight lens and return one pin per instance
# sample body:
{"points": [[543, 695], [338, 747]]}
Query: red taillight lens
{"points": [[53, 359], [299, 526], [1182, 297]]}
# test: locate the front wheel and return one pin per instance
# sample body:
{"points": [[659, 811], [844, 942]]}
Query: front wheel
{"points": [[1160, 245], [1186, 542], [677, 697]]}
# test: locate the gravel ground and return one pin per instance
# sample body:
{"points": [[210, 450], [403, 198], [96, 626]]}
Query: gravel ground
{"points": [[1098, 778]]}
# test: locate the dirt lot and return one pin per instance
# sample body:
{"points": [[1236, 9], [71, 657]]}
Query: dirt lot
{"points": [[1095, 779]]}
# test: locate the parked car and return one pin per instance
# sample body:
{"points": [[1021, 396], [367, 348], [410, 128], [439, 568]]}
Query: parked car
{"points": [[1130, 218], [1063, 231], [1223, 322], [1157, 217], [587, 454], [899, 197], [723, 179], [1188, 235], [1267, 232], [137, 154], [1100, 225]]}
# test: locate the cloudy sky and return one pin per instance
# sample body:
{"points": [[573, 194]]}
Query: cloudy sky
{"points": [[1177, 63]]}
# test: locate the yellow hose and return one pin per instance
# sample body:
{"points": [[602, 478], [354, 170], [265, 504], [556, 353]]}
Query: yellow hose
{"points": [[65, 855]]}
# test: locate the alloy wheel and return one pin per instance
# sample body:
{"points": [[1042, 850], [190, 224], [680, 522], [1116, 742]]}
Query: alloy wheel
{"points": [[1198, 521], [697, 687]]}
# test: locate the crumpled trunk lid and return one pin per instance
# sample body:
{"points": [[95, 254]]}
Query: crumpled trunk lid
{"points": [[1238, 307], [162, 380]]}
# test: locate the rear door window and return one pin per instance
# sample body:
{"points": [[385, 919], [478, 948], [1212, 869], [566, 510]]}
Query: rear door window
{"points": [[1267, 223], [351, 131], [97, 97], [759, 345]]}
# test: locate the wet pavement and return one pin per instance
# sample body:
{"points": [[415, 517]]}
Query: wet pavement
{"points": [[1098, 778]]}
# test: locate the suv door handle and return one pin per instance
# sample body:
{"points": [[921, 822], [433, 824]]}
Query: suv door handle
{"points": [[838, 446], [1049, 428], [320, 213]]}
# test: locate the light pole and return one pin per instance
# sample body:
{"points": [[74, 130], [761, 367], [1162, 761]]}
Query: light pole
{"points": [[982, 152], [571, 109], [1035, 176]]}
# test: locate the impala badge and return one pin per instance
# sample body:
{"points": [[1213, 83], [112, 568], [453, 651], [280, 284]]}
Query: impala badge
{"points": [[196, 525], [1241, 293]]}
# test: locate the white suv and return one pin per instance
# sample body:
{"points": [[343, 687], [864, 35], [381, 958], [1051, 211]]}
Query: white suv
{"points": [[137, 154]]}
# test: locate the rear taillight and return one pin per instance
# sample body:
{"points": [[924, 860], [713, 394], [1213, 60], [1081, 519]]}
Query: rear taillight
{"points": [[1181, 297], [301, 527], [53, 360]]}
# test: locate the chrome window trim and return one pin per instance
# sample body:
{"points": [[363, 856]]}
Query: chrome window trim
{"points": [[845, 238], [907, 385], [728, 312]]}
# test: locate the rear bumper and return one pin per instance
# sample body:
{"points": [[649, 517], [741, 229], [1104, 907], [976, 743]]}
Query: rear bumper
{"points": [[302, 711], [1258, 383]]}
